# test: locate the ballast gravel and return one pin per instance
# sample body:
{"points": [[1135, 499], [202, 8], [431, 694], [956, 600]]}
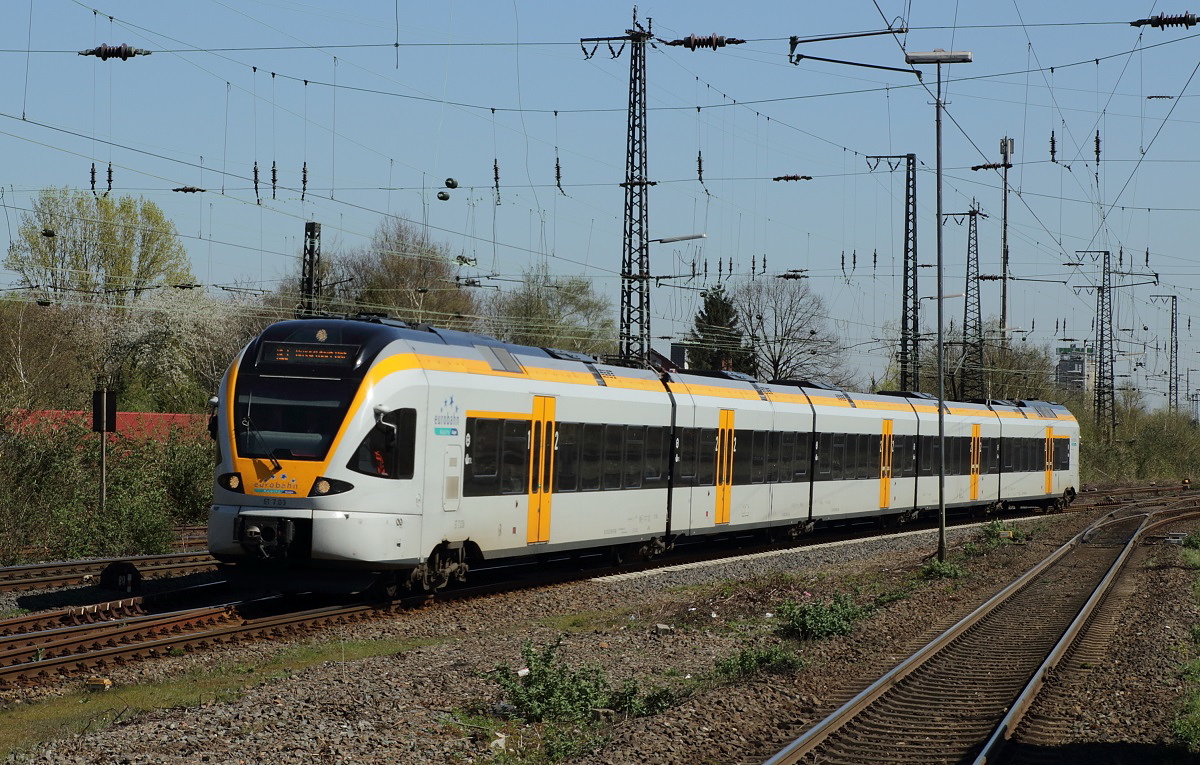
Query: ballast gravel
{"points": [[664, 629]]}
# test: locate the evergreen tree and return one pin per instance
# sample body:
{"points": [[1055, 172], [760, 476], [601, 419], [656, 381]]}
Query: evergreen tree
{"points": [[716, 340]]}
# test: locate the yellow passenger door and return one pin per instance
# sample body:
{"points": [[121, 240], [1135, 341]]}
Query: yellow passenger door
{"points": [[541, 467], [724, 457]]}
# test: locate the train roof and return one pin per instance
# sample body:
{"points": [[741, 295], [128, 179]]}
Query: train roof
{"points": [[360, 338]]}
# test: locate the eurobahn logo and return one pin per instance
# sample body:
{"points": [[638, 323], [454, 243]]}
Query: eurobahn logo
{"points": [[448, 418]]}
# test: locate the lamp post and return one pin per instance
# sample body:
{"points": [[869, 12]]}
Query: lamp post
{"points": [[939, 57]]}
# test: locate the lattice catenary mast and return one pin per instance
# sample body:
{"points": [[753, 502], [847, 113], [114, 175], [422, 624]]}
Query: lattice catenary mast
{"points": [[635, 251], [910, 324]]}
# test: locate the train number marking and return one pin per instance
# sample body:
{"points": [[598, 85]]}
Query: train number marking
{"points": [[271, 502]]}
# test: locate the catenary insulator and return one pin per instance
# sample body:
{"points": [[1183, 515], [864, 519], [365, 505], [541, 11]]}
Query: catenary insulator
{"points": [[1162, 21], [122, 51], [692, 42]]}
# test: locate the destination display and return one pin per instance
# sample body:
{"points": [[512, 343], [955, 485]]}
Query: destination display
{"points": [[313, 354]]}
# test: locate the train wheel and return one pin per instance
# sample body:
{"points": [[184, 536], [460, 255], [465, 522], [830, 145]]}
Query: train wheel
{"points": [[385, 587]]}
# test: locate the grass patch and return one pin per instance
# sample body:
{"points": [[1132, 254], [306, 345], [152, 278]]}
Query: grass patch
{"points": [[747, 662], [1191, 557], [23, 725], [939, 569], [588, 621], [997, 534], [1186, 725]]}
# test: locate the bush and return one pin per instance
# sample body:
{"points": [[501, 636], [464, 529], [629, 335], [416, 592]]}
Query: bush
{"points": [[50, 485], [818, 619], [555, 692], [751, 661], [1192, 541]]}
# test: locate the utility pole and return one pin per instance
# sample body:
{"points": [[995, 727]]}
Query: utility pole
{"points": [[635, 251], [971, 374], [1106, 413], [910, 324], [1007, 146], [310, 271], [1173, 372]]}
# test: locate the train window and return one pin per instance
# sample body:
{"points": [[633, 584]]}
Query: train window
{"points": [[773, 439], [288, 418], [635, 452], [566, 457], [743, 456], [904, 456], [874, 450], [850, 465], [389, 448], [590, 456], [685, 454], [823, 455], [482, 457], [653, 474], [803, 455], [514, 457], [786, 463], [706, 456], [758, 459], [614, 437], [1062, 454], [837, 457]]}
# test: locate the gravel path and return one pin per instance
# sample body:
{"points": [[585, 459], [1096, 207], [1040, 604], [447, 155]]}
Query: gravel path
{"points": [[665, 629]]}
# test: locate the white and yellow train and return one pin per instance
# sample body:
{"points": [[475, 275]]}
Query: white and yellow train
{"points": [[351, 449]]}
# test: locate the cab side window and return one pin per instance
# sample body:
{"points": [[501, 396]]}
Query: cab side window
{"points": [[389, 449]]}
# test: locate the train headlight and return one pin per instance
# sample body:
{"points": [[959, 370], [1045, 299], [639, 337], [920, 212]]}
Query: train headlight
{"points": [[323, 487], [231, 482]]}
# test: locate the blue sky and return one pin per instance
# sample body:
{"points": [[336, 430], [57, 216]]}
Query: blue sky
{"points": [[225, 87]]}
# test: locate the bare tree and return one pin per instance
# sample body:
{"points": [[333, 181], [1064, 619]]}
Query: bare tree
{"points": [[405, 273], [551, 312], [786, 324]]}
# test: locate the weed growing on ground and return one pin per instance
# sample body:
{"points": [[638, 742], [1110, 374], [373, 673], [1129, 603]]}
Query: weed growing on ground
{"points": [[811, 619], [997, 534], [1186, 724], [939, 569], [773, 659], [549, 689]]}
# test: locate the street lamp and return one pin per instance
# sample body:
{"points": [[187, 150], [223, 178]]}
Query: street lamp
{"points": [[684, 238], [939, 57]]}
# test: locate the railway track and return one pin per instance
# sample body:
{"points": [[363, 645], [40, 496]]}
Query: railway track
{"points": [[961, 697], [66, 573], [39, 647]]}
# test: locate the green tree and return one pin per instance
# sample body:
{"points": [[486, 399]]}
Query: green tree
{"points": [[716, 340], [551, 312], [76, 247]]}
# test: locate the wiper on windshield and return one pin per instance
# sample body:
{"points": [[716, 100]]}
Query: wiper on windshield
{"points": [[249, 426]]}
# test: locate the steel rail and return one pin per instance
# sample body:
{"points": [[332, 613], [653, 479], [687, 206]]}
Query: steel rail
{"points": [[832, 723], [1008, 725]]}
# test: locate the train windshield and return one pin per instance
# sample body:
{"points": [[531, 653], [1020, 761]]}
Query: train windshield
{"points": [[284, 418]]}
